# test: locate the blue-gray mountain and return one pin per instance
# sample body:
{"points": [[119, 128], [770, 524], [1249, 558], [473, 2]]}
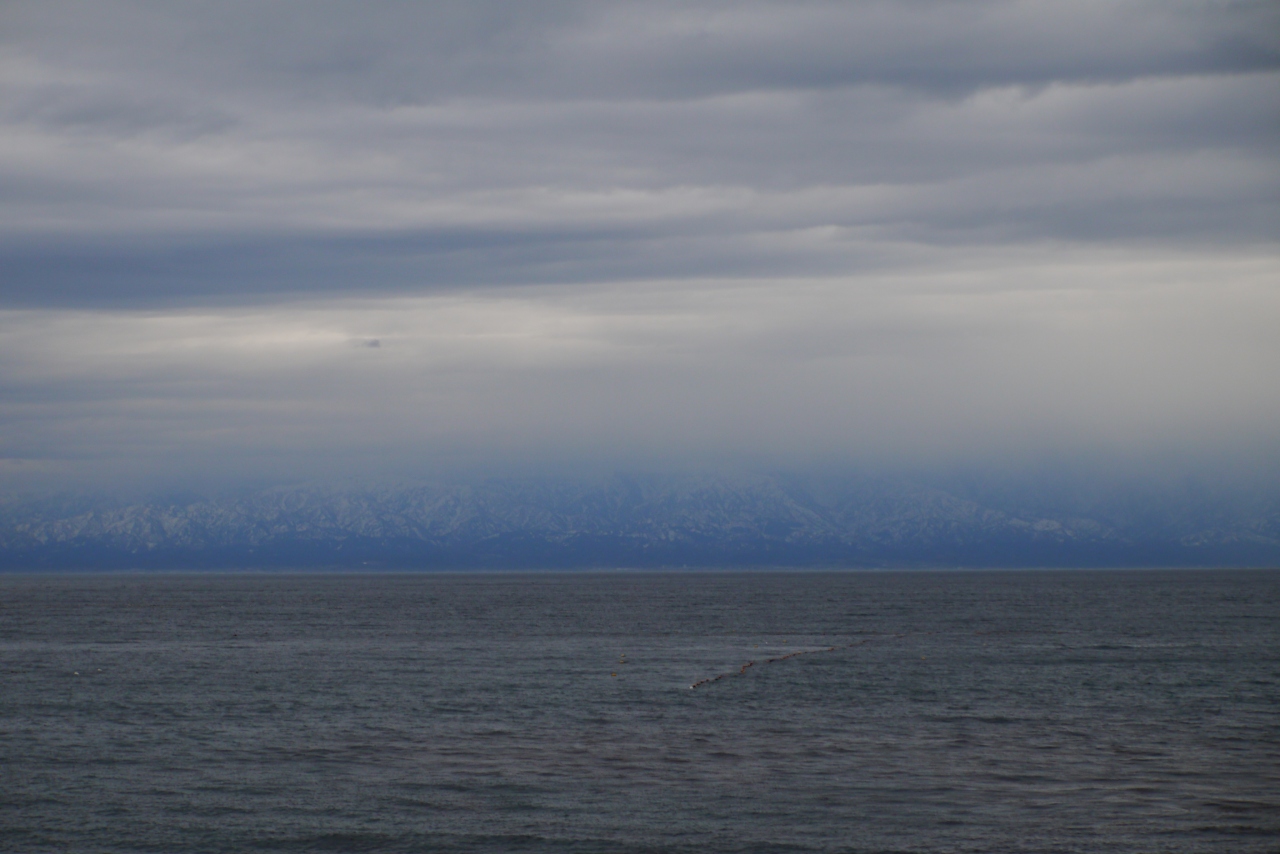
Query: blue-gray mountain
{"points": [[626, 521]]}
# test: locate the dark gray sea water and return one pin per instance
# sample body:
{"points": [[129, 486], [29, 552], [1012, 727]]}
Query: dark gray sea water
{"points": [[967, 711]]}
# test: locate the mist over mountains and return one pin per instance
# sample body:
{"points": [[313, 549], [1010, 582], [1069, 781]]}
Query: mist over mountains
{"points": [[651, 521]]}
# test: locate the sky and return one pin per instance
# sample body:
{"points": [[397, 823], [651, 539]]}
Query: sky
{"points": [[271, 241]]}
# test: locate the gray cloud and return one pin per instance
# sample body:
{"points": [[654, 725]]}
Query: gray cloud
{"points": [[789, 233], [1133, 357], [396, 53]]}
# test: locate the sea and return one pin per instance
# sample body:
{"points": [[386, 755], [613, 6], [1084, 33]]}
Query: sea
{"points": [[761, 711]]}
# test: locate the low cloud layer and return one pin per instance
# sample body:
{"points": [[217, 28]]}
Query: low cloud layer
{"points": [[648, 234], [997, 364]]}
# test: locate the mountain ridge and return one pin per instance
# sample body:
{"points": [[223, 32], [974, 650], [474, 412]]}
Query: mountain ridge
{"points": [[619, 521]]}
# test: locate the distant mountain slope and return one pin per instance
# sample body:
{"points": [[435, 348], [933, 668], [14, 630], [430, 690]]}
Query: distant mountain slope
{"points": [[623, 522]]}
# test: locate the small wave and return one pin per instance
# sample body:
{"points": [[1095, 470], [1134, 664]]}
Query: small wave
{"points": [[741, 671]]}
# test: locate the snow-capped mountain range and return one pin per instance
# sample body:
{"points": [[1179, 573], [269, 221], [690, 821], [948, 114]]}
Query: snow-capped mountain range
{"points": [[627, 521]]}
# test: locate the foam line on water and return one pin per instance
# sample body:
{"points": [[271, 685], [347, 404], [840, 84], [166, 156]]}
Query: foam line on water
{"points": [[744, 668]]}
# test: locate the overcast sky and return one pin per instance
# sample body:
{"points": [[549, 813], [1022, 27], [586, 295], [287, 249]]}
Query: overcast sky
{"points": [[245, 242]]}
